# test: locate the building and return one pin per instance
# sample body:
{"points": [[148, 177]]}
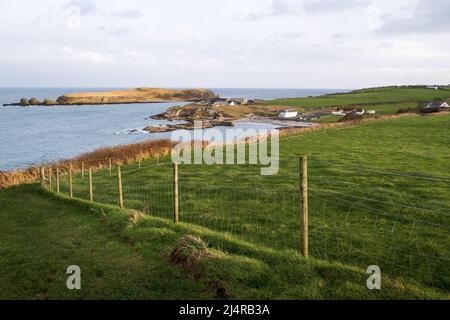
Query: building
{"points": [[220, 103], [288, 114], [360, 112], [339, 113], [433, 87], [371, 112], [436, 105]]}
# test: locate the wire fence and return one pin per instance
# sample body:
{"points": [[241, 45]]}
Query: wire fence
{"points": [[358, 214]]}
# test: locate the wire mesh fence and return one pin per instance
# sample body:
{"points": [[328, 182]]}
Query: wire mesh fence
{"points": [[358, 214]]}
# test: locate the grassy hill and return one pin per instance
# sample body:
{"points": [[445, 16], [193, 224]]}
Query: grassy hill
{"points": [[379, 194], [366, 97], [41, 234]]}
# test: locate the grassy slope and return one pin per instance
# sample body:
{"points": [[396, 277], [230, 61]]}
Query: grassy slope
{"points": [[363, 216], [390, 99], [42, 234]]}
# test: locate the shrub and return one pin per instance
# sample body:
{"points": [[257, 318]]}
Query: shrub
{"points": [[188, 252]]}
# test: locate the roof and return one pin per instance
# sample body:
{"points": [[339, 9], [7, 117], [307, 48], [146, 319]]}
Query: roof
{"points": [[435, 104]]}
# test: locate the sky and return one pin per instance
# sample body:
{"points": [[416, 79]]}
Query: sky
{"points": [[234, 43]]}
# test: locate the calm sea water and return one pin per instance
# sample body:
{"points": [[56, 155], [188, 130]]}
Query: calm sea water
{"points": [[32, 135]]}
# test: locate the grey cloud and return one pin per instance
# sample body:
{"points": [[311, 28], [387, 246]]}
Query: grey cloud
{"points": [[284, 8], [431, 16], [277, 8], [86, 6], [323, 6]]}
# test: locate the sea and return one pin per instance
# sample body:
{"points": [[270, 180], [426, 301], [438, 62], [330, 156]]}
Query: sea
{"points": [[33, 135]]}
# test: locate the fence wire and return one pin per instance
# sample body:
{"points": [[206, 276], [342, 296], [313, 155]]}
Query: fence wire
{"points": [[358, 215]]}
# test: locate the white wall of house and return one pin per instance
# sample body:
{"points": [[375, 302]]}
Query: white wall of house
{"points": [[288, 114]]}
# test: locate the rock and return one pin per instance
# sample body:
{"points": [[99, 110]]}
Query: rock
{"points": [[24, 102], [34, 102], [48, 102]]}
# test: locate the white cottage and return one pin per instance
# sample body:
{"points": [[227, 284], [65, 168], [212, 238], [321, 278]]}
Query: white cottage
{"points": [[288, 114], [434, 105]]}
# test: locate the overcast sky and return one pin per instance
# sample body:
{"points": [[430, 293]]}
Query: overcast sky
{"points": [[234, 43]]}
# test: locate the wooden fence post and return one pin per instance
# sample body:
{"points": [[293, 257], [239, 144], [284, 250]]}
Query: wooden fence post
{"points": [[70, 182], [91, 191], [157, 159], [176, 217], [50, 177], [82, 169], [119, 180], [110, 166], [57, 180], [139, 163], [304, 204], [42, 177]]}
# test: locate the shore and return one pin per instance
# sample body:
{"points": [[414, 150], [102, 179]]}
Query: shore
{"points": [[280, 124]]}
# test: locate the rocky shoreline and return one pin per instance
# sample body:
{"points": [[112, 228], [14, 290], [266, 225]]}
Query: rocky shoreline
{"points": [[208, 115]]}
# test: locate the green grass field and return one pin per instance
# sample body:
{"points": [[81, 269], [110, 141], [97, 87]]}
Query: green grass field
{"points": [[42, 234], [379, 194], [366, 97]]}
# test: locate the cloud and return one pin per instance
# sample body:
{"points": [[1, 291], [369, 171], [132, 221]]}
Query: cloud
{"points": [[86, 7], [128, 14], [277, 8], [115, 30], [428, 17], [289, 35], [324, 6]]}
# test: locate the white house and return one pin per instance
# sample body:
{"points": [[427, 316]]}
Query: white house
{"points": [[360, 112], [339, 113], [288, 114], [433, 87], [371, 112], [434, 105]]}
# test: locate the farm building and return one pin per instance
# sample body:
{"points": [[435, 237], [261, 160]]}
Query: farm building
{"points": [[434, 105], [288, 114]]}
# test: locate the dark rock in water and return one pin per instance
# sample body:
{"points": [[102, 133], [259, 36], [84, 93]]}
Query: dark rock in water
{"points": [[48, 102], [34, 102], [24, 102]]}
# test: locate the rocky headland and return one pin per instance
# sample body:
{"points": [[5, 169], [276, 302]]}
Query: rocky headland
{"points": [[139, 95]]}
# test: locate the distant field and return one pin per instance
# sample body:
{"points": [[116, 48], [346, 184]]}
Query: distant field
{"points": [[365, 97]]}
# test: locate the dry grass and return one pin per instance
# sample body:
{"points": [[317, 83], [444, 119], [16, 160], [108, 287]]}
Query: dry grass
{"points": [[139, 95], [120, 155], [97, 159], [188, 252], [13, 178]]}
